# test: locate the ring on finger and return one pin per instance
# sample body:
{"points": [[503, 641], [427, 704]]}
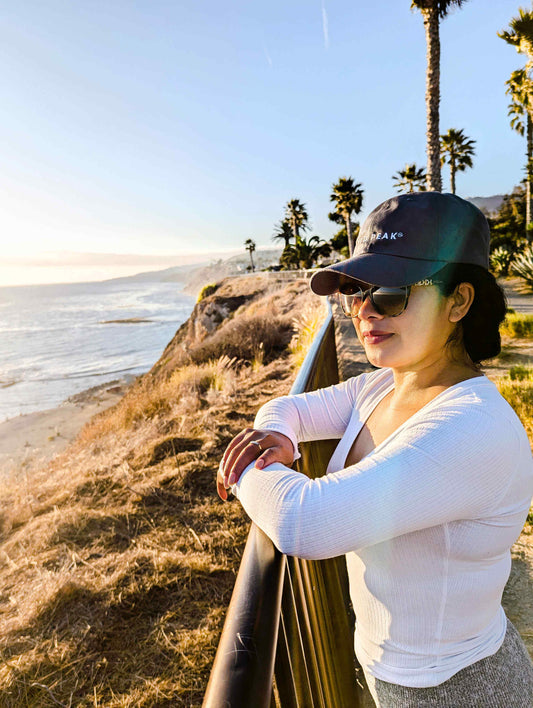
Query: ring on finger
{"points": [[254, 442]]}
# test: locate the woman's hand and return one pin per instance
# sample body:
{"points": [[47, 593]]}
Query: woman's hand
{"points": [[264, 446]]}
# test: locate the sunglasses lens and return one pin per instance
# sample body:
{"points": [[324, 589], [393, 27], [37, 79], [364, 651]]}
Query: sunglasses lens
{"points": [[351, 303], [389, 301], [386, 301]]}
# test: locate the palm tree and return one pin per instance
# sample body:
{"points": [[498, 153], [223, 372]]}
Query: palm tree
{"points": [[283, 232], [456, 150], [250, 247], [348, 198], [519, 87], [432, 12], [304, 253], [296, 215], [410, 179], [339, 241], [521, 33]]}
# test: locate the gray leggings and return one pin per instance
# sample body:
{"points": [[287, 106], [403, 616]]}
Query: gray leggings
{"points": [[503, 680]]}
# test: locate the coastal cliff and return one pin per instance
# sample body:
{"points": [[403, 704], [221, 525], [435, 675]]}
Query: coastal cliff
{"points": [[117, 560]]}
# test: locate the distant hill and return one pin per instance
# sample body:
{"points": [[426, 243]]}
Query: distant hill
{"points": [[236, 265], [194, 276], [488, 205], [178, 274]]}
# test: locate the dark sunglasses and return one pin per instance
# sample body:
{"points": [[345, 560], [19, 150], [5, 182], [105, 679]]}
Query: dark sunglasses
{"points": [[388, 302]]}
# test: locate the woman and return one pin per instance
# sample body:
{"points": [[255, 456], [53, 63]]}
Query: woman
{"points": [[432, 479]]}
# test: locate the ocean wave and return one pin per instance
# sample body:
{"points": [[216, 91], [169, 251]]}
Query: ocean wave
{"points": [[52, 342]]}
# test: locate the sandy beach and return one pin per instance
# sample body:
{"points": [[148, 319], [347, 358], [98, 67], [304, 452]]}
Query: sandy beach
{"points": [[36, 438]]}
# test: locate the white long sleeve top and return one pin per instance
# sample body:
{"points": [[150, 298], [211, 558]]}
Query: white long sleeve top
{"points": [[426, 520]]}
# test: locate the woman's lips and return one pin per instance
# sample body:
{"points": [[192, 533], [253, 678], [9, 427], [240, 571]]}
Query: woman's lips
{"points": [[375, 337]]}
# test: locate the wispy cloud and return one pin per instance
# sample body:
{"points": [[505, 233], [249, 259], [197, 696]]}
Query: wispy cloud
{"points": [[267, 55], [325, 25]]}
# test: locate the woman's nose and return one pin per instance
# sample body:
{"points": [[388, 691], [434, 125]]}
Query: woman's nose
{"points": [[367, 310]]}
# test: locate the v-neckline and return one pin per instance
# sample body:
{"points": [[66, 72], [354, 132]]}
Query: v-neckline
{"points": [[352, 434]]}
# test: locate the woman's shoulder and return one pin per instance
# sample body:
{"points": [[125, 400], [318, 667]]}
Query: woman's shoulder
{"points": [[478, 392]]}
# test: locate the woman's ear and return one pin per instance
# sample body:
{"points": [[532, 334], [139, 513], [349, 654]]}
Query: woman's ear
{"points": [[461, 300]]}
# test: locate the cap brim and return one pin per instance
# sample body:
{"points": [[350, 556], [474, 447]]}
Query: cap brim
{"points": [[374, 269]]}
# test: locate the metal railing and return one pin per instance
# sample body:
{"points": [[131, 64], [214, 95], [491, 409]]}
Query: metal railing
{"points": [[288, 636]]}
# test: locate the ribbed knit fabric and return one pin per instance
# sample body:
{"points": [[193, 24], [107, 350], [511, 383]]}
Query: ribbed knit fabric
{"points": [[426, 519]]}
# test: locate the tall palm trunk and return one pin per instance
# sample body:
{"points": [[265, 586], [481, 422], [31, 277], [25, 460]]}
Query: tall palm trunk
{"points": [[351, 244], [431, 26], [296, 230], [529, 175], [452, 174]]}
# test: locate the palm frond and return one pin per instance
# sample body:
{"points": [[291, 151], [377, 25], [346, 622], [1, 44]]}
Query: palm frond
{"points": [[410, 179]]}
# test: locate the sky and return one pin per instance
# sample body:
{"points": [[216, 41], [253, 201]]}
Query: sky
{"points": [[142, 134]]}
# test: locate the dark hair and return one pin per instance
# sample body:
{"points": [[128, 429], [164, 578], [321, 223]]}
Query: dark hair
{"points": [[479, 329]]}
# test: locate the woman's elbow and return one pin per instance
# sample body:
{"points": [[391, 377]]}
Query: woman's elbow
{"points": [[295, 540]]}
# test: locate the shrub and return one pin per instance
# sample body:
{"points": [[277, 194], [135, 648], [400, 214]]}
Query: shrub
{"points": [[520, 373], [523, 265], [207, 290], [500, 260], [241, 338], [517, 325]]}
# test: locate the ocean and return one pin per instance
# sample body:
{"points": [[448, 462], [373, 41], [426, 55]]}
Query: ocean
{"points": [[58, 340]]}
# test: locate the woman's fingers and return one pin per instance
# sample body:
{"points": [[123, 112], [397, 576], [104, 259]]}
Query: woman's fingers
{"points": [[236, 447], [242, 456], [277, 453], [221, 489], [233, 444], [231, 454], [264, 446]]}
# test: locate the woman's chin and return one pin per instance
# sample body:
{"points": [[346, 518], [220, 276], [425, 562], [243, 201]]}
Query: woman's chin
{"points": [[375, 358]]}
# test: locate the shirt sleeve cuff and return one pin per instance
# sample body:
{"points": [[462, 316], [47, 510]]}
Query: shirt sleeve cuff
{"points": [[235, 487]]}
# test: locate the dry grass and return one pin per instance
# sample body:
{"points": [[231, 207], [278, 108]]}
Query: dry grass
{"points": [[517, 325], [519, 393], [117, 561], [179, 395], [517, 388], [306, 325]]}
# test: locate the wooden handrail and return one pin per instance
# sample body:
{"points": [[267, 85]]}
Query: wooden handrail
{"points": [[289, 618]]}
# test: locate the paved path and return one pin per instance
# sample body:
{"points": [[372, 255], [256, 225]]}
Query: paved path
{"points": [[518, 298]]}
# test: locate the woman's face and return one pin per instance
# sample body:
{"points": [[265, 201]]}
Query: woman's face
{"points": [[414, 339]]}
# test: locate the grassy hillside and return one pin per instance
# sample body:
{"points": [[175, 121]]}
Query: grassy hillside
{"points": [[117, 561]]}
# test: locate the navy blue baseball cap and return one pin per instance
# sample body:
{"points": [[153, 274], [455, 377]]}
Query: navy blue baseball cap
{"points": [[409, 238]]}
